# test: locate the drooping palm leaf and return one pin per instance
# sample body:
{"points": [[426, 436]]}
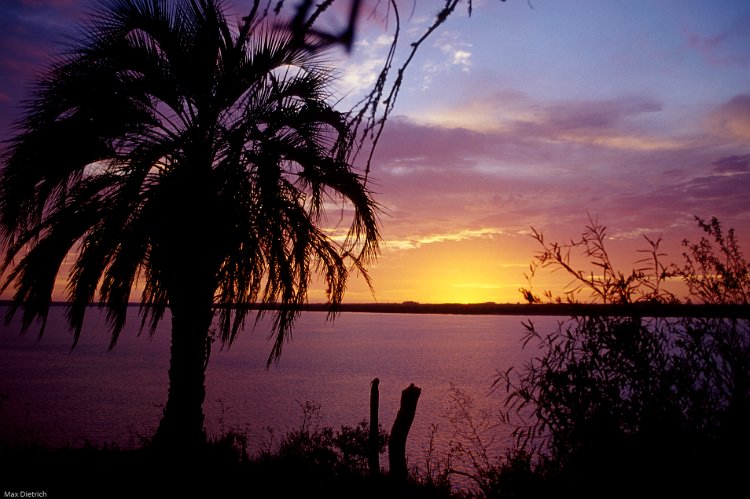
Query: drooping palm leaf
{"points": [[165, 129]]}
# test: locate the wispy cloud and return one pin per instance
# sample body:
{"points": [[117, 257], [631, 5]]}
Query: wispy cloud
{"points": [[29, 31], [458, 52], [621, 141], [732, 165], [557, 161], [359, 72], [454, 52], [597, 114], [725, 48], [419, 240], [733, 118], [50, 3]]}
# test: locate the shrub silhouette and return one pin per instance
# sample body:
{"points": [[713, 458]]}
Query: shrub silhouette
{"points": [[613, 403]]}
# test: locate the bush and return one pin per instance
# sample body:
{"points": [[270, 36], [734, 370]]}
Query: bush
{"points": [[615, 403], [342, 451]]}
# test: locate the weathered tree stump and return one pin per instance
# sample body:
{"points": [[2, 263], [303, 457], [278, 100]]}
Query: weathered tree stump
{"points": [[400, 430], [373, 449]]}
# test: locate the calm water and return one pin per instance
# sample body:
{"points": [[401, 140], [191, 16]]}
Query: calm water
{"points": [[64, 397]]}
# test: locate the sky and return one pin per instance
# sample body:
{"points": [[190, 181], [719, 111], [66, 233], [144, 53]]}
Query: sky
{"points": [[535, 113]]}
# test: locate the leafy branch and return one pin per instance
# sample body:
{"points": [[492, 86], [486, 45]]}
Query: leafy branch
{"points": [[606, 284]]}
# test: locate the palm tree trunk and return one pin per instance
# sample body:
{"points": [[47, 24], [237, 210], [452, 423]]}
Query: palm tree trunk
{"points": [[187, 258], [181, 426]]}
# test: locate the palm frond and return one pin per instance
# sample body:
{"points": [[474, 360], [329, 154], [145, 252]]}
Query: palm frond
{"points": [[166, 145]]}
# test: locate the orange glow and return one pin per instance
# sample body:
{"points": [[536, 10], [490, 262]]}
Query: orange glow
{"points": [[474, 270], [482, 267], [468, 271]]}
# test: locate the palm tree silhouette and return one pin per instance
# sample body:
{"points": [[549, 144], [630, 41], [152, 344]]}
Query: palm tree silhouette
{"points": [[178, 155]]}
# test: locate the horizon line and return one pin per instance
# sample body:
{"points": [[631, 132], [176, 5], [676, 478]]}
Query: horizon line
{"points": [[493, 308]]}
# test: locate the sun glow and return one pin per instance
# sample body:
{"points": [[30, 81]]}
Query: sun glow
{"points": [[472, 270]]}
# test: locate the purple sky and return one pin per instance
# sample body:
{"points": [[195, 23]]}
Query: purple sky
{"points": [[525, 114]]}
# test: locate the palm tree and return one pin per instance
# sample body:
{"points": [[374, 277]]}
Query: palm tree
{"points": [[177, 155]]}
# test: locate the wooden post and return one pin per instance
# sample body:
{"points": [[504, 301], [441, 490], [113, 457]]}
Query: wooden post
{"points": [[400, 430], [373, 457]]}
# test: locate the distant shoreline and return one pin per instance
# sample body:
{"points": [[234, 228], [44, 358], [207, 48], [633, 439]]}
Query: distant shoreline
{"points": [[546, 309], [518, 309]]}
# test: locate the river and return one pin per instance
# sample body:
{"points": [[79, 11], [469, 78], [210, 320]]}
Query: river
{"points": [[56, 396]]}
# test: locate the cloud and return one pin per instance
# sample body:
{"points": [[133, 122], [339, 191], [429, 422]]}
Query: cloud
{"points": [[359, 72], [559, 135], [418, 240], [462, 58], [551, 163], [29, 32], [455, 53], [733, 118], [726, 48], [598, 114], [625, 122], [732, 164], [621, 141], [412, 145], [718, 193], [49, 3]]}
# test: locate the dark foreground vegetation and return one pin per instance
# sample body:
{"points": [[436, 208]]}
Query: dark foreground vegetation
{"points": [[162, 145], [614, 405], [308, 462], [635, 405]]}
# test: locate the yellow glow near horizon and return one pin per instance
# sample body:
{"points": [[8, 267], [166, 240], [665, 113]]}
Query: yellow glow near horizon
{"points": [[481, 267], [475, 270]]}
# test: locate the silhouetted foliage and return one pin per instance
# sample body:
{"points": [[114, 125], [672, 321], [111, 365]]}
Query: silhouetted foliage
{"points": [[167, 148], [715, 269], [604, 283], [170, 149], [311, 461], [473, 450], [342, 451], [615, 403], [369, 115]]}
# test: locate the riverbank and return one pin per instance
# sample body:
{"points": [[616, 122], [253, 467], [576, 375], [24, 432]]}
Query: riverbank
{"points": [[546, 309], [520, 309]]}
